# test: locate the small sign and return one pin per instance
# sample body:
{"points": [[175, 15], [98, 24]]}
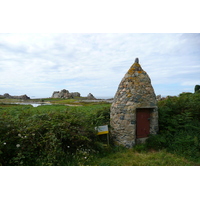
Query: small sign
{"points": [[102, 130]]}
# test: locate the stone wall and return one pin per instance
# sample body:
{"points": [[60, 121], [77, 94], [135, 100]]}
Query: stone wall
{"points": [[135, 91]]}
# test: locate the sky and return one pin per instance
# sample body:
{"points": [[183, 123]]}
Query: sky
{"points": [[39, 64]]}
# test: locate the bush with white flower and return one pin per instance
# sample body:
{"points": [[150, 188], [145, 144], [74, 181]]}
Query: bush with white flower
{"points": [[30, 136]]}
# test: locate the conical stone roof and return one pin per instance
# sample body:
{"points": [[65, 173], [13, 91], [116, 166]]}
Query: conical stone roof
{"points": [[135, 91]]}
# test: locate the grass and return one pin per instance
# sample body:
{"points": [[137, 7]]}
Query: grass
{"points": [[66, 101], [90, 108], [129, 157], [57, 101], [4, 105], [138, 156], [9, 100]]}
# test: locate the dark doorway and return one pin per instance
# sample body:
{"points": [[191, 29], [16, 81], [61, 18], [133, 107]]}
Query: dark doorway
{"points": [[143, 122]]}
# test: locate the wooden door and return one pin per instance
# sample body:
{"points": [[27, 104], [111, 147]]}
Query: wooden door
{"points": [[143, 122]]}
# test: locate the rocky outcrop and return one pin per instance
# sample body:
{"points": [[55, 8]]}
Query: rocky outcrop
{"points": [[22, 97], [65, 94], [55, 94], [90, 96], [135, 95], [75, 94]]}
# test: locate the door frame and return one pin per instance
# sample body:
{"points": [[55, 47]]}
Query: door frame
{"points": [[147, 113]]}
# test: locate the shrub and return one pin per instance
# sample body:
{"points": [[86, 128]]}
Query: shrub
{"points": [[197, 89], [37, 136], [179, 124]]}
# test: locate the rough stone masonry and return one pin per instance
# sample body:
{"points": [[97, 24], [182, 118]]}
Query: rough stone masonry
{"points": [[134, 93]]}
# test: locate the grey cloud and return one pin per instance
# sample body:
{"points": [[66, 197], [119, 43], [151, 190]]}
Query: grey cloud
{"points": [[80, 61]]}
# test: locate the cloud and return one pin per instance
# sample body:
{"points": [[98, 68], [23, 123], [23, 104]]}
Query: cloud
{"points": [[38, 64]]}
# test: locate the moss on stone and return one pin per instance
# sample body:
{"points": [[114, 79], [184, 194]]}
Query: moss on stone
{"points": [[131, 71], [135, 68]]}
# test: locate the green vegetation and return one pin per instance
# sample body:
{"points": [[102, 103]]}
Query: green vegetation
{"points": [[49, 135], [179, 124], [197, 88], [65, 135], [134, 157]]}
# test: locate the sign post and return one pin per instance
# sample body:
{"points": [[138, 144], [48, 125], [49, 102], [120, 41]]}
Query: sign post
{"points": [[103, 130]]}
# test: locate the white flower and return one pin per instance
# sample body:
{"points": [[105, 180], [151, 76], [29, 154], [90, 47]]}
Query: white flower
{"points": [[85, 157], [4, 143], [19, 135], [68, 146], [18, 145]]}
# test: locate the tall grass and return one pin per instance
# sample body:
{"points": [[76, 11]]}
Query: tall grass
{"points": [[132, 157]]}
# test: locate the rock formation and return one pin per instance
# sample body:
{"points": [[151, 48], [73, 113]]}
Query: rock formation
{"points": [[75, 94], [65, 94], [134, 112], [90, 96], [22, 97], [55, 94]]}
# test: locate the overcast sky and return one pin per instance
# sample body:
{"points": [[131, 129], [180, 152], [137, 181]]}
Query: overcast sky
{"points": [[38, 64]]}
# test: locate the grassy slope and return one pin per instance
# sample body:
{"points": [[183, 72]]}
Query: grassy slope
{"points": [[133, 158]]}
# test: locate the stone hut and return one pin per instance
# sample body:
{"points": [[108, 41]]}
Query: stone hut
{"points": [[134, 111]]}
